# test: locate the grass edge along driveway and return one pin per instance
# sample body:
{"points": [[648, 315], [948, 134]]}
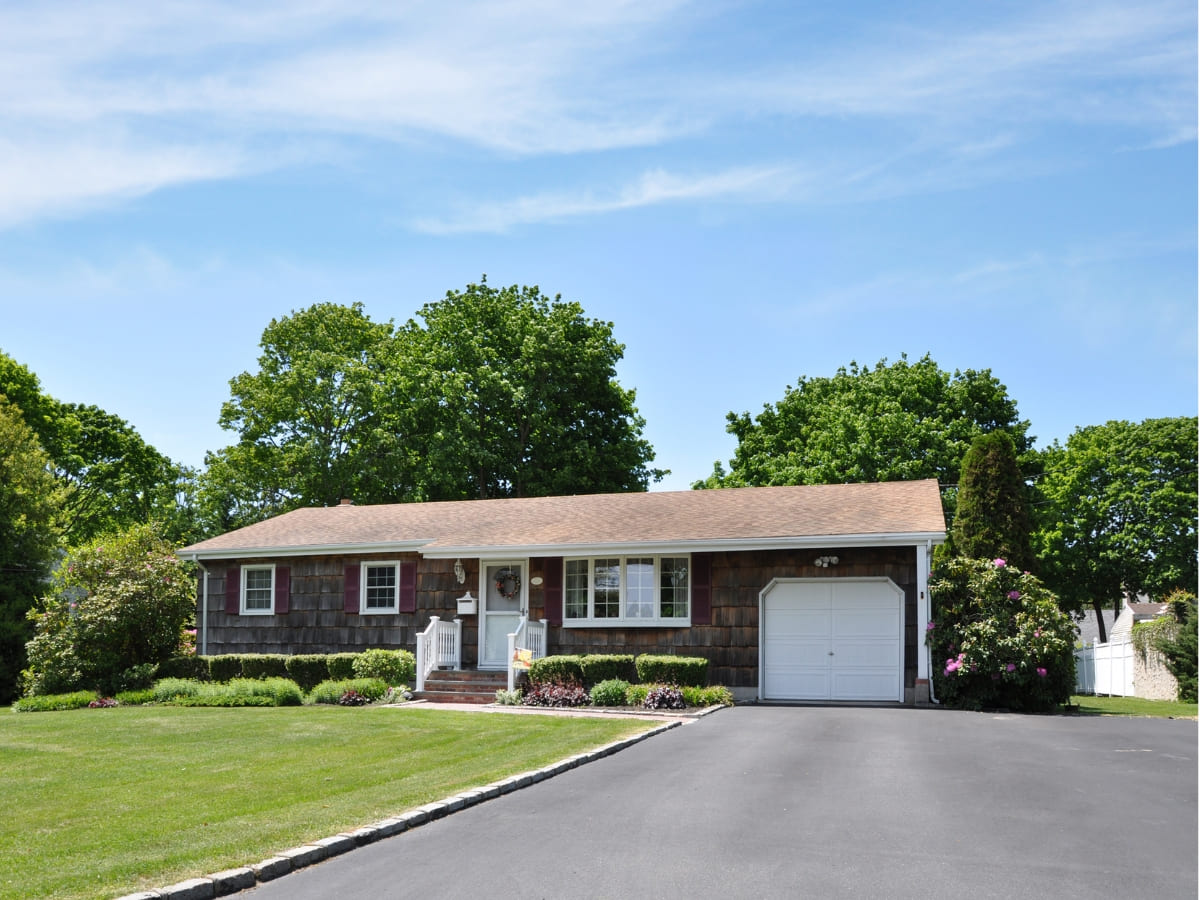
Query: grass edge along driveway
{"points": [[105, 802]]}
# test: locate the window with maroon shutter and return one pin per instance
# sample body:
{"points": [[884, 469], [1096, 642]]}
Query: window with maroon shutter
{"points": [[701, 588], [552, 589], [283, 589], [408, 587], [233, 587], [351, 588]]}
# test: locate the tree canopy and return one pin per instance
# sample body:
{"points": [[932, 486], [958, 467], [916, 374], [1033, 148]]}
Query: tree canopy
{"points": [[493, 393], [30, 504], [114, 478], [897, 422], [510, 394], [1116, 512]]}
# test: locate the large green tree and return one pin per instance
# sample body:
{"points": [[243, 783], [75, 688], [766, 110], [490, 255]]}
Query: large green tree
{"points": [[993, 517], [492, 393], [1116, 512], [30, 504], [115, 479], [506, 393], [897, 422], [310, 421]]}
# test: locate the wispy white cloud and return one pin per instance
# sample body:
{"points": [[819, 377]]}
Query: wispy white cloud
{"points": [[650, 189], [196, 90]]}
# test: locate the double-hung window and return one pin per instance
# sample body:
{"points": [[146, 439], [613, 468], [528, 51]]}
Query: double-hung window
{"points": [[380, 587], [258, 590], [633, 590]]}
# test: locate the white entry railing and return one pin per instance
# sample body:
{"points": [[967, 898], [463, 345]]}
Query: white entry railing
{"points": [[438, 645], [529, 636]]}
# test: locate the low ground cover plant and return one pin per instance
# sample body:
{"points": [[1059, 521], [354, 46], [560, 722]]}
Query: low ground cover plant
{"points": [[332, 691], [610, 692], [555, 695]]}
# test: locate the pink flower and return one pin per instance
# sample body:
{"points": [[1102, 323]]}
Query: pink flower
{"points": [[931, 626], [1011, 667], [1014, 595], [1038, 633], [1041, 672], [999, 563]]}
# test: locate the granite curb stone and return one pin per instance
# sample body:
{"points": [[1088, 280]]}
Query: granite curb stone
{"points": [[310, 854]]}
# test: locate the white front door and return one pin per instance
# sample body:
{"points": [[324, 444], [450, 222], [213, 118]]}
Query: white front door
{"points": [[503, 593]]}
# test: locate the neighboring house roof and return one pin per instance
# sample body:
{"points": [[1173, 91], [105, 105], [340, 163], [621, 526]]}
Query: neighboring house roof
{"points": [[1131, 614], [736, 518], [1089, 632]]}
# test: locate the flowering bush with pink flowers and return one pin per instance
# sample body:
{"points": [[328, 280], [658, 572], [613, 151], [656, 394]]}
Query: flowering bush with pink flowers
{"points": [[998, 638]]}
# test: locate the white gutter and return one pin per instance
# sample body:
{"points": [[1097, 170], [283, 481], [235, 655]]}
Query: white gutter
{"points": [[932, 695], [304, 550], [203, 648]]}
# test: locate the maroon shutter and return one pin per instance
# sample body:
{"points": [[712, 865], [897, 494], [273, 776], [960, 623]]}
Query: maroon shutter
{"points": [[552, 589], [283, 589], [408, 587], [701, 588], [351, 596], [233, 597]]}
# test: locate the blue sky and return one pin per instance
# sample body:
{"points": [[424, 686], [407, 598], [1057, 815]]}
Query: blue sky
{"points": [[750, 192]]}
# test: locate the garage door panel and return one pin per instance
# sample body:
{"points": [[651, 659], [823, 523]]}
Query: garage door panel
{"points": [[866, 623], [832, 640], [864, 685]]}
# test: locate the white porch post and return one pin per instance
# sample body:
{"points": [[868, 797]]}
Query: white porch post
{"points": [[457, 644], [922, 694]]}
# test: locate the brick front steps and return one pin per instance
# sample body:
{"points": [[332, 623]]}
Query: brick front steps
{"points": [[465, 686]]}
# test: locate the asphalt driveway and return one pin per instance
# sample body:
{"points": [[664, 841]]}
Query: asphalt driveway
{"points": [[819, 802]]}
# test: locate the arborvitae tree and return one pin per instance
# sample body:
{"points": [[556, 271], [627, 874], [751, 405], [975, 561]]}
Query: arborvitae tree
{"points": [[993, 518]]}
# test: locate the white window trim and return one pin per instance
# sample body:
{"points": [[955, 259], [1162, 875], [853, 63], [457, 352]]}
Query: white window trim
{"points": [[270, 610], [623, 621], [392, 610]]}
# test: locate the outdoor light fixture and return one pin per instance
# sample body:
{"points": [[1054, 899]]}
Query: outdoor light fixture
{"points": [[824, 562], [459, 572]]}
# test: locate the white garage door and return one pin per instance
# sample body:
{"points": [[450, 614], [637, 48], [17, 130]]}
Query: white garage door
{"points": [[837, 639]]}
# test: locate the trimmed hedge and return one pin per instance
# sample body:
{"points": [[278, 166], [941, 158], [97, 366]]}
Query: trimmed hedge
{"points": [[308, 669], [195, 667], [224, 668], [557, 670], [395, 667], [264, 665], [680, 671], [341, 666], [607, 667]]}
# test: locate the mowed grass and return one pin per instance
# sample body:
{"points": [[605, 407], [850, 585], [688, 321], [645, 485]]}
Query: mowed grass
{"points": [[100, 803], [1132, 706]]}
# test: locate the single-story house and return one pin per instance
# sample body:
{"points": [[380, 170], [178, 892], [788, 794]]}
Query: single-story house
{"points": [[792, 593]]}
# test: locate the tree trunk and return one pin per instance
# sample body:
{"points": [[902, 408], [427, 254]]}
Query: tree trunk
{"points": [[1098, 606]]}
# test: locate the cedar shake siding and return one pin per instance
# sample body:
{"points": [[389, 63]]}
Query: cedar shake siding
{"points": [[319, 619], [730, 642], [726, 633]]}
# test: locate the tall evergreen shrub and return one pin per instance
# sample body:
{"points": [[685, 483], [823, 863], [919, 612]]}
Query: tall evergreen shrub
{"points": [[993, 519]]}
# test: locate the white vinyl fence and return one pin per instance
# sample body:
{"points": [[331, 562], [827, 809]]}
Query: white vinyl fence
{"points": [[1105, 669]]}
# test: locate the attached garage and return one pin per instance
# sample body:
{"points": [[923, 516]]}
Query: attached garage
{"points": [[832, 639]]}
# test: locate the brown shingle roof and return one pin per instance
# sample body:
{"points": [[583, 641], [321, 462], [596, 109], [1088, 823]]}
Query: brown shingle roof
{"points": [[770, 516]]}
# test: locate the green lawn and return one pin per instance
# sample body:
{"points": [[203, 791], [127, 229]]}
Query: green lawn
{"points": [[99, 803], [1132, 706]]}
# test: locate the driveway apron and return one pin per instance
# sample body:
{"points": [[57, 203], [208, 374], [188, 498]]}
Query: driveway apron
{"points": [[765, 801]]}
